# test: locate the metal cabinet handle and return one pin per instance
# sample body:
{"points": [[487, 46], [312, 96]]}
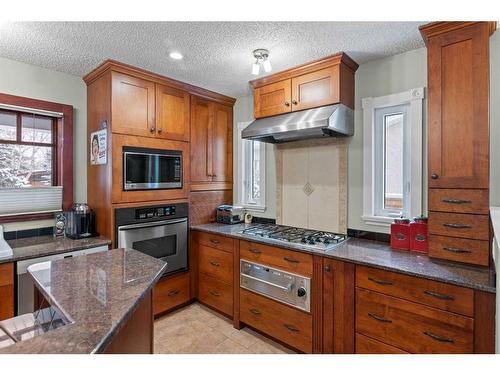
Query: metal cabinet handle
{"points": [[327, 268], [456, 225], [255, 251], [173, 292], [291, 328], [434, 176], [215, 264], [294, 102], [160, 130], [216, 242], [255, 311], [439, 295], [287, 104], [209, 175], [381, 282], [214, 175], [215, 294], [291, 260], [456, 201], [438, 338], [286, 288], [379, 318], [152, 130], [457, 250]]}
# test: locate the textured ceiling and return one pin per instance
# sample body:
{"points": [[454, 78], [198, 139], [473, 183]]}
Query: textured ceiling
{"points": [[217, 55]]}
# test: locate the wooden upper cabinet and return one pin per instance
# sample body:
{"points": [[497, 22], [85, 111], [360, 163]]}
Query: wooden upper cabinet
{"points": [[273, 99], [222, 143], [319, 83], [172, 113], [201, 139], [458, 80], [316, 89], [132, 105]]}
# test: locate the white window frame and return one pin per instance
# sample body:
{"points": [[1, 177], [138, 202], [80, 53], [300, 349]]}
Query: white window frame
{"points": [[242, 184], [413, 146]]}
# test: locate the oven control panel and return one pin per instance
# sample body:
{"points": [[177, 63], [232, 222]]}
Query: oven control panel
{"points": [[154, 212]]}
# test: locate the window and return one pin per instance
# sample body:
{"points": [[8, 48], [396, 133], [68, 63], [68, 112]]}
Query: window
{"points": [[27, 150], [251, 189], [392, 157]]}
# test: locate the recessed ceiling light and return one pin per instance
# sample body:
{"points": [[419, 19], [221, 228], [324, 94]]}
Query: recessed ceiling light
{"points": [[175, 55]]}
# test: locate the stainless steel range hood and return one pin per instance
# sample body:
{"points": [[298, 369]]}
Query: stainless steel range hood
{"points": [[329, 121]]}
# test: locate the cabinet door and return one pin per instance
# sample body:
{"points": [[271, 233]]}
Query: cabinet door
{"points": [[316, 89], [172, 113], [272, 99], [458, 108], [222, 144], [6, 291], [201, 139], [133, 106]]}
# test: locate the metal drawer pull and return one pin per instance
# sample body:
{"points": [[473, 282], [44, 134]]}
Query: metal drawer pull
{"points": [[255, 251], [254, 311], [381, 282], [215, 264], [457, 250], [456, 201], [438, 338], [439, 295], [457, 225], [379, 318], [173, 292], [291, 260], [215, 294], [291, 328], [214, 241]]}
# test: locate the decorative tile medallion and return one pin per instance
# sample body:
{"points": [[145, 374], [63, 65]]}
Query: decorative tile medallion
{"points": [[308, 189]]}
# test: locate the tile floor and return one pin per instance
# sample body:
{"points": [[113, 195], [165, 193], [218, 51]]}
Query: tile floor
{"points": [[196, 329]]}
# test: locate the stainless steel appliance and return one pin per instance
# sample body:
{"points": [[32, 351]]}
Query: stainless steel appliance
{"points": [[228, 214], [289, 288], [158, 231], [329, 121], [25, 285], [148, 169], [80, 222], [308, 238]]}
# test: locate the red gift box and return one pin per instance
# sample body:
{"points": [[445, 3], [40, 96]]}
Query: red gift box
{"points": [[418, 235], [400, 234]]}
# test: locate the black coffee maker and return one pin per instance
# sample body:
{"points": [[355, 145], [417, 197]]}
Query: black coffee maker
{"points": [[80, 222]]}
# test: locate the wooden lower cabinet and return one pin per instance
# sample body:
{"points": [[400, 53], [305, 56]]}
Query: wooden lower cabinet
{"points": [[171, 292], [215, 263], [367, 345], [6, 291], [216, 293], [289, 325]]}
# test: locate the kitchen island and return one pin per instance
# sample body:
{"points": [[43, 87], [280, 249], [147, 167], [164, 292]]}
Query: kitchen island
{"points": [[105, 300]]}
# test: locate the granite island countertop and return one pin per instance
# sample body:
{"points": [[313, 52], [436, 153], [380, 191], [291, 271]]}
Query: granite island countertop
{"points": [[379, 255], [97, 292], [36, 247]]}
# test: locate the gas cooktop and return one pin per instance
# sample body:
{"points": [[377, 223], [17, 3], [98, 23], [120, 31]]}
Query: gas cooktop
{"points": [[317, 240]]}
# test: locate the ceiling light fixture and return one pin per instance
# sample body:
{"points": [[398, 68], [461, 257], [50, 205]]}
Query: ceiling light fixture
{"points": [[176, 55], [261, 58]]}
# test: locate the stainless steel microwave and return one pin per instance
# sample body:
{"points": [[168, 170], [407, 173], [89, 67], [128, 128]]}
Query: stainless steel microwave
{"points": [[151, 169]]}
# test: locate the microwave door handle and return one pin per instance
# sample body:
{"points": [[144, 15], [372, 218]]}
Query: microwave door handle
{"points": [[285, 288], [152, 224]]}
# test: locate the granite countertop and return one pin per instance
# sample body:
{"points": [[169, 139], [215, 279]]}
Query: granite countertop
{"points": [[379, 255], [97, 292], [35, 247]]}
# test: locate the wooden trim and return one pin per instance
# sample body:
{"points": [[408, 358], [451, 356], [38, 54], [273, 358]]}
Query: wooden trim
{"points": [[236, 285], [317, 304], [338, 58], [484, 322], [157, 78], [436, 28], [200, 186], [63, 149]]}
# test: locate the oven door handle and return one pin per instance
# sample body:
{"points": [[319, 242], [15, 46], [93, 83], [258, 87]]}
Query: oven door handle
{"points": [[152, 224], [287, 288]]}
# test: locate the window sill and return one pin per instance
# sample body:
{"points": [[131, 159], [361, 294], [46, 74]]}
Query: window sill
{"points": [[379, 221], [250, 207]]}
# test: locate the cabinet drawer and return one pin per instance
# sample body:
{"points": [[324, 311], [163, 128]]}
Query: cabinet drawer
{"points": [[432, 293], [467, 201], [284, 323], [216, 293], [367, 345], [286, 260], [412, 327], [215, 241], [170, 292], [459, 250], [7, 274], [215, 263], [459, 225]]}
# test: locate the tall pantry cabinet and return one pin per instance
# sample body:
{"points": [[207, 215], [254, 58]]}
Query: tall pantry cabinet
{"points": [[458, 140]]}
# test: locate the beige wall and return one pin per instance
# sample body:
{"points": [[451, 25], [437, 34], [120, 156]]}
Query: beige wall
{"points": [[22, 79]]}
